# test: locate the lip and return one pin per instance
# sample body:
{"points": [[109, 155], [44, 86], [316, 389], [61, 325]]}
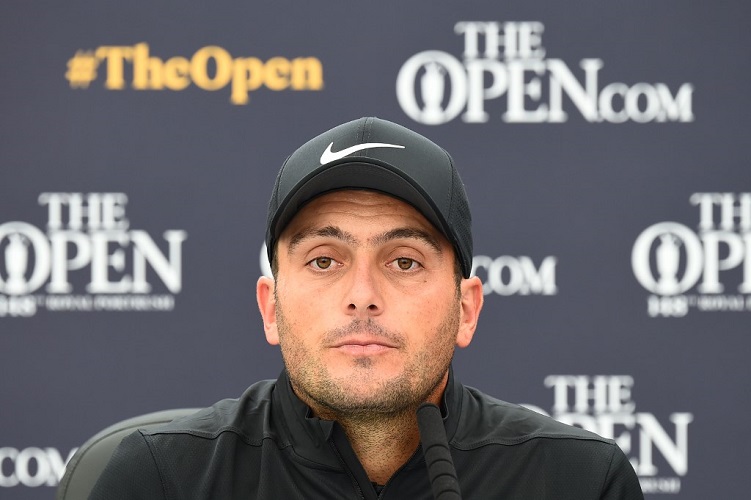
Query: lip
{"points": [[363, 345], [363, 349]]}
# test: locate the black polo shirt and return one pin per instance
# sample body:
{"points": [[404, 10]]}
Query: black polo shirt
{"points": [[267, 445]]}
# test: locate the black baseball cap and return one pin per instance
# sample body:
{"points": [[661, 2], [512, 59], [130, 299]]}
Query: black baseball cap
{"points": [[379, 155]]}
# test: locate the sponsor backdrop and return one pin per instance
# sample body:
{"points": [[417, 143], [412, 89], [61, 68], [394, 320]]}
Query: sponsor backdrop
{"points": [[604, 147]]}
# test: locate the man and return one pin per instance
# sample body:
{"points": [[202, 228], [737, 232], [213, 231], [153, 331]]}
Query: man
{"points": [[371, 249]]}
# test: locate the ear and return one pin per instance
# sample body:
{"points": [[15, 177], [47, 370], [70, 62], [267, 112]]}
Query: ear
{"points": [[471, 304], [267, 306]]}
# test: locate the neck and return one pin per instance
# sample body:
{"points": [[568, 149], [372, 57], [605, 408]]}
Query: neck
{"points": [[383, 443]]}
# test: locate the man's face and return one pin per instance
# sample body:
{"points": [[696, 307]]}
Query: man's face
{"points": [[365, 306]]}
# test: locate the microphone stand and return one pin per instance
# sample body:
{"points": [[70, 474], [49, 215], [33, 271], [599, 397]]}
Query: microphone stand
{"points": [[435, 447]]}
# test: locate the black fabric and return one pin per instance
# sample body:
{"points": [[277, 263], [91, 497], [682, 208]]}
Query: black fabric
{"points": [[266, 445]]}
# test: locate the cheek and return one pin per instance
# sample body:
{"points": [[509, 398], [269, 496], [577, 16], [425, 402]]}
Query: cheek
{"points": [[300, 315], [296, 298], [424, 311]]}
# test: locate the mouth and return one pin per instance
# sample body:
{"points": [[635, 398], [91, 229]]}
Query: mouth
{"points": [[363, 346]]}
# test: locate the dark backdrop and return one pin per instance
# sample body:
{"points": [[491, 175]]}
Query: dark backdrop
{"points": [[604, 147]]}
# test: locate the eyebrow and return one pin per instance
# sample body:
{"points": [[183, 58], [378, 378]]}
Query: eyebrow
{"points": [[410, 233], [322, 232], [339, 234]]}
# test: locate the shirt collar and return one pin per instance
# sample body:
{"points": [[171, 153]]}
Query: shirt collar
{"points": [[309, 435]]}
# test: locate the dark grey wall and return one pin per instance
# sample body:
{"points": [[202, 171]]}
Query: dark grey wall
{"points": [[604, 149]]}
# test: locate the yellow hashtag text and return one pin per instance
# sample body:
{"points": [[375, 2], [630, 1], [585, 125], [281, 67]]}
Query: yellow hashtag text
{"points": [[82, 69], [210, 68]]}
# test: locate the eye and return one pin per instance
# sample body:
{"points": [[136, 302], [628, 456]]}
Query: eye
{"points": [[406, 264], [321, 262]]}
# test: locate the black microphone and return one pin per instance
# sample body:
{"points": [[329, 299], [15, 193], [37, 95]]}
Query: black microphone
{"points": [[435, 447]]}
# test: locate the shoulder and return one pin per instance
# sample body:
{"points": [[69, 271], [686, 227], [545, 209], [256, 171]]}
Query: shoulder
{"points": [[244, 417], [560, 461], [184, 455], [485, 420]]}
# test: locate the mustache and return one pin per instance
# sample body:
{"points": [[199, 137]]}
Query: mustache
{"points": [[359, 326]]}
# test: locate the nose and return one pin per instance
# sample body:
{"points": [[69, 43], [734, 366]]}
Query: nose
{"points": [[364, 295]]}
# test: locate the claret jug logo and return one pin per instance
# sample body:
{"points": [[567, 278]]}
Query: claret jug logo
{"points": [[210, 68], [88, 243], [603, 404], [507, 60], [670, 259]]}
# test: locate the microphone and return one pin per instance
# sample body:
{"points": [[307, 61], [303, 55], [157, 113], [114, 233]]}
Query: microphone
{"points": [[435, 447]]}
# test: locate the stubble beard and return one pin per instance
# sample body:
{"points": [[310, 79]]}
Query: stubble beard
{"points": [[334, 398]]}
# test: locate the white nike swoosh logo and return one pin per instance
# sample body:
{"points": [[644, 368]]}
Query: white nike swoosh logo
{"points": [[328, 156]]}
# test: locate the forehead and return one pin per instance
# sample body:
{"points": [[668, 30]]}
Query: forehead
{"points": [[363, 208]]}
